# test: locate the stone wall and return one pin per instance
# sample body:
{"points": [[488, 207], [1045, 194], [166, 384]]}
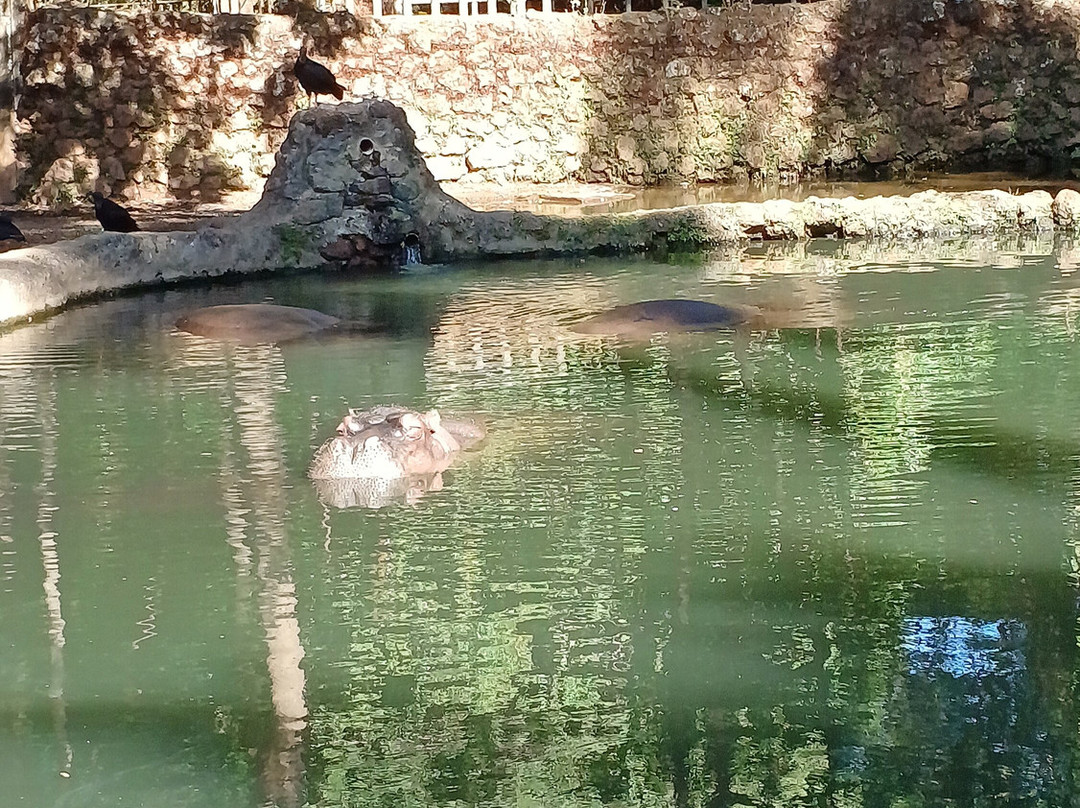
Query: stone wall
{"points": [[160, 105], [11, 17]]}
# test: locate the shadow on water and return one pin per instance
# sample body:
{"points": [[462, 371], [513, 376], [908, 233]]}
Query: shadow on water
{"points": [[192, 754], [992, 450], [952, 657]]}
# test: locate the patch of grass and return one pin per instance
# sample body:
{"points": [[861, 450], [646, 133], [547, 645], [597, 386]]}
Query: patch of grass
{"points": [[293, 241], [65, 196], [687, 235]]}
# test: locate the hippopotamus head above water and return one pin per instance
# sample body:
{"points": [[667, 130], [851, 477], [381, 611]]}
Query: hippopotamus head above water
{"points": [[389, 442]]}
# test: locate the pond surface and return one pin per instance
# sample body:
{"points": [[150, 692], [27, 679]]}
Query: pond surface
{"points": [[833, 563]]}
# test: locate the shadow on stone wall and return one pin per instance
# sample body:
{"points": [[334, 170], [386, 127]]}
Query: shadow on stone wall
{"points": [[707, 97], [328, 33], [119, 106], [867, 88], [958, 85], [161, 104], [200, 105]]}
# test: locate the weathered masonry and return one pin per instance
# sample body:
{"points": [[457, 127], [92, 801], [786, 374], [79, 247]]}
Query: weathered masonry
{"points": [[160, 104]]}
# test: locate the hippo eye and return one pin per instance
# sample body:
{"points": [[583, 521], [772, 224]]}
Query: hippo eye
{"points": [[404, 432]]}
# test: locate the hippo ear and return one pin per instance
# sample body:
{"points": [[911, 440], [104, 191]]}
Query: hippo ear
{"points": [[434, 420], [349, 424]]}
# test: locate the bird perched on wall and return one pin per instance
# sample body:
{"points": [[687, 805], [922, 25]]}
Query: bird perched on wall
{"points": [[316, 79], [113, 217], [8, 230]]}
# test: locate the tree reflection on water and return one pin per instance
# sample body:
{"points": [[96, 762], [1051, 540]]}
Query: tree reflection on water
{"points": [[796, 570]]}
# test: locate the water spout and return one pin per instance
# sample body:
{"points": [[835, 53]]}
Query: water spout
{"points": [[410, 250]]}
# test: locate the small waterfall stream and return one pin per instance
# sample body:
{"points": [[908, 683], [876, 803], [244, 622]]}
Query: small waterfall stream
{"points": [[410, 250], [410, 254]]}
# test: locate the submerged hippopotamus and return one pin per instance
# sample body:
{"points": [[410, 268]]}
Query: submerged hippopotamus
{"points": [[388, 452], [653, 316], [251, 323]]}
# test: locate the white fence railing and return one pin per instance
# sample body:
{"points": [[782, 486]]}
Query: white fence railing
{"points": [[484, 8], [385, 8], [463, 7]]}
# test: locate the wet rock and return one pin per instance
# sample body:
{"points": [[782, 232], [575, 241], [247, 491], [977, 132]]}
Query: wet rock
{"points": [[1035, 211], [885, 148]]}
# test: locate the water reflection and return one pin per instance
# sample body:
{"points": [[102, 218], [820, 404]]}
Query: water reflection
{"points": [[968, 686], [254, 482], [375, 493], [828, 564], [960, 646]]}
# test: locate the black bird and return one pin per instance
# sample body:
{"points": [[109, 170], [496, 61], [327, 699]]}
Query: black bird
{"points": [[315, 78], [112, 216], [8, 230]]}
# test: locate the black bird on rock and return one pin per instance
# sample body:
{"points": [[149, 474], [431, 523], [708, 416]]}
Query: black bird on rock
{"points": [[8, 230], [113, 217], [315, 78]]}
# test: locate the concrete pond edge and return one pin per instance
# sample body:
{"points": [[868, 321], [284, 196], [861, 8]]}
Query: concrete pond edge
{"points": [[349, 189]]}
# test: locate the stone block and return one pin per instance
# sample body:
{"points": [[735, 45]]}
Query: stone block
{"points": [[955, 94], [884, 148], [447, 168], [330, 175], [489, 154], [1066, 209], [1035, 210], [998, 132]]}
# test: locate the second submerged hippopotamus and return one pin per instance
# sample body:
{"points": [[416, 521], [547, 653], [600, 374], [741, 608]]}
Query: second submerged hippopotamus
{"points": [[390, 442], [653, 316], [253, 323]]}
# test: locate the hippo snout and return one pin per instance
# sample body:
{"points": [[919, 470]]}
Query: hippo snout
{"points": [[343, 457]]}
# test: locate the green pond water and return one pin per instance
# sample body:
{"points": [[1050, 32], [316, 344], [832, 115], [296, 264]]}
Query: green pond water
{"points": [[833, 563]]}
